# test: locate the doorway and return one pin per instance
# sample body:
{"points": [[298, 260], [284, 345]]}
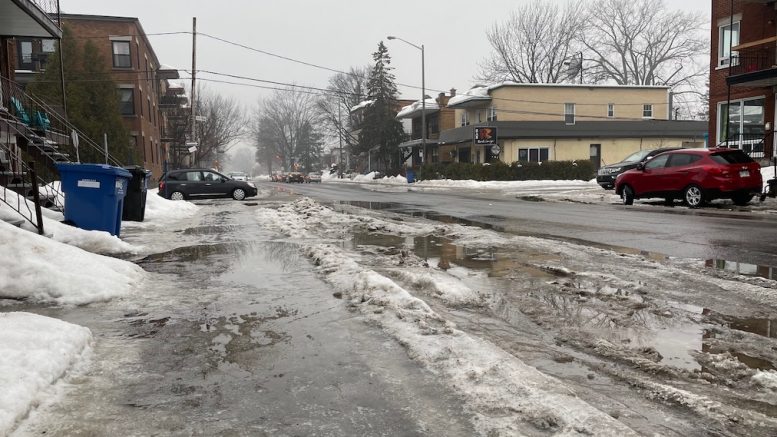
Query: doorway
{"points": [[595, 152]]}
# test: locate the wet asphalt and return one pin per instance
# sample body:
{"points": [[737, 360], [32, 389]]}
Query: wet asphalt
{"points": [[729, 233], [233, 335]]}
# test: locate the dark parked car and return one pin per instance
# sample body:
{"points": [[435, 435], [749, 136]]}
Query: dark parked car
{"points": [[200, 182], [295, 176], [694, 175], [607, 174]]}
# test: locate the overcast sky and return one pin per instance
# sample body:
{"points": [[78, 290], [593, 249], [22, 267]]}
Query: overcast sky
{"points": [[334, 33]]}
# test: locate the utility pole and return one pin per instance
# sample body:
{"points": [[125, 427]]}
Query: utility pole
{"points": [[194, 83], [340, 135]]}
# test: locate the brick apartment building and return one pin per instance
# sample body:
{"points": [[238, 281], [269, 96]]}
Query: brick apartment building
{"points": [[743, 76], [438, 119], [136, 69]]}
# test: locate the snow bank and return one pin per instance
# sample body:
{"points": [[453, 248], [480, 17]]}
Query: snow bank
{"points": [[92, 241], [159, 209], [44, 270], [35, 351], [767, 379]]}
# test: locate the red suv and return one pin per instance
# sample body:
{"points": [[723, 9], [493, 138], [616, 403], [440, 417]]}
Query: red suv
{"points": [[695, 175]]}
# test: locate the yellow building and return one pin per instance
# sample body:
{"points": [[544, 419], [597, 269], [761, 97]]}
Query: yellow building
{"points": [[540, 122]]}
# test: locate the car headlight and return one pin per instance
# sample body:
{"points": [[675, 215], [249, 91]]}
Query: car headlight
{"points": [[251, 184]]}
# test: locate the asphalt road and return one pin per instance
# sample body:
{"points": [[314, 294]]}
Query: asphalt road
{"points": [[709, 233]]}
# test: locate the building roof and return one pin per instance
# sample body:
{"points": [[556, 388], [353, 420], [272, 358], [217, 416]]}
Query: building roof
{"points": [[583, 129], [414, 109], [482, 93]]}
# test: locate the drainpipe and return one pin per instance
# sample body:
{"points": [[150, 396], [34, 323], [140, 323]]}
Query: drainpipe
{"points": [[62, 65]]}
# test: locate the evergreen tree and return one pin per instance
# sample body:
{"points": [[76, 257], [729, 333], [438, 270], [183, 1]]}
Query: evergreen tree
{"points": [[309, 146], [92, 98], [381, 132]]}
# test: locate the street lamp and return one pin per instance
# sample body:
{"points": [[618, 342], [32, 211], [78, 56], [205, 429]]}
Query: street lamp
{"points": [[423, 91]]}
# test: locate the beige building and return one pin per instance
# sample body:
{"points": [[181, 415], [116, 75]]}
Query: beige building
{"points": [[540, 122]]}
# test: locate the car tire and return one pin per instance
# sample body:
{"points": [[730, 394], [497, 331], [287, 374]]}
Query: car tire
{"points": [[742, 199], [238, 194], [693, 196], [627, 195], [177, 195]]}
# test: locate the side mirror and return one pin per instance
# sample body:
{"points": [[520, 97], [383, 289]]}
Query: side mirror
{"points": [[640, 166]]}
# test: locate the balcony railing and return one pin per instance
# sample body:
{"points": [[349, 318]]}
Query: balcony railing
{"points": [[754, 59], [47, 6], [752, 144]]}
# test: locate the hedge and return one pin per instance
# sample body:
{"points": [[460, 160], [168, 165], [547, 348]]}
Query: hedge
{"points": [[517, 171]]}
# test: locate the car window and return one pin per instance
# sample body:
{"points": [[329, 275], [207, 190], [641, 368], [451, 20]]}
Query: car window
{"points": [[731, 157], [682, 159], [193, 176], [210, 176], [637, 156], [657, 162]]}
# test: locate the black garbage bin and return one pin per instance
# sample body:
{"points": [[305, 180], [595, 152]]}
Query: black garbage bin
{"points": [[135, 200]]}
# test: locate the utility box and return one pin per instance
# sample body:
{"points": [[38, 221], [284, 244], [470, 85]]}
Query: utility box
{"points": [[94, 195]]}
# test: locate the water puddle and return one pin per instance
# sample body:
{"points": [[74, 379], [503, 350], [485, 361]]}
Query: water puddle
{"points": [[745, 269]]}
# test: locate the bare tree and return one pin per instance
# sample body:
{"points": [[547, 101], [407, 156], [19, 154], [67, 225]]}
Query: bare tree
{"points": [[284, 129], [346, 91], [641, 42], [221, 125], [532, 45]]}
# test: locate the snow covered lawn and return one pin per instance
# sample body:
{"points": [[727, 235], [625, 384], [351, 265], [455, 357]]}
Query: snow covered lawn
{"points": [[35, 352]]}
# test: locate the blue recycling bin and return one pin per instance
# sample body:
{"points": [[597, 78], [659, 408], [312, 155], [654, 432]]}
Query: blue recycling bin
{"points": [[94, 195], [410, 175]]}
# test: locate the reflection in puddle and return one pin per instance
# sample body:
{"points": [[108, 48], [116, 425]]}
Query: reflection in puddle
{"points": [[767, 272]]}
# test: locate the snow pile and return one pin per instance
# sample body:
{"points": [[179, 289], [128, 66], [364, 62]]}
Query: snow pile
{"points": [[35, 352], [362, 105], [503, 393], [767, 379], [44, 270], [161, 210], [54, 191], [92, 241], [506, 396]]}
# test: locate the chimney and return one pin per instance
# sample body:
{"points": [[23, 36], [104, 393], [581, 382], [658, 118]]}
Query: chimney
{"points": [[453, 92], [440, 97]]}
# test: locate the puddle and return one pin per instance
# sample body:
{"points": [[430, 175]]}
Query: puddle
{"points": [[745, 269]]}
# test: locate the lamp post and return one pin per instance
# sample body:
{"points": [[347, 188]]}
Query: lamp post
{"points": [[423, 91]]}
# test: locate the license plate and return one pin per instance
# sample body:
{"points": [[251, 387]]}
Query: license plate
{"points": [[744, 174]]}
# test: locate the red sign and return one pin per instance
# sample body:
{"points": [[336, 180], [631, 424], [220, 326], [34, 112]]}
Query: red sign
{"points": [[485, 136]]}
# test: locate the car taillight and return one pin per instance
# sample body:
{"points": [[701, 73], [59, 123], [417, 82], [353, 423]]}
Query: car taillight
{"points": [[720, 170], [161, 185]]}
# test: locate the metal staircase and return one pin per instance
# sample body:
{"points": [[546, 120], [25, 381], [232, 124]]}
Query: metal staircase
{"points": [[34, 137]]}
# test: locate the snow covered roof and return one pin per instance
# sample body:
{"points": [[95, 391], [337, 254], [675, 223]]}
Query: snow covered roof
{"points": [[414, 109], [362, 105], [482, 93], [478, 93]]}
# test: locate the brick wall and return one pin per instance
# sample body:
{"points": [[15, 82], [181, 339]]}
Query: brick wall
{"points": [[145, 123], [757, 22]]}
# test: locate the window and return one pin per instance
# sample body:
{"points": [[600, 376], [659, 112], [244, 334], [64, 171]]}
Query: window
{"points": [[610, 110], [647, 111], [140, 93], [682, 159], [492, 114], [193, 176], [127, 101], [657, 162], [24, 61], [539, 154], [728, 36], [464, 118], [49, 45], [121, 54], [149, 108], [569, 113]]}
